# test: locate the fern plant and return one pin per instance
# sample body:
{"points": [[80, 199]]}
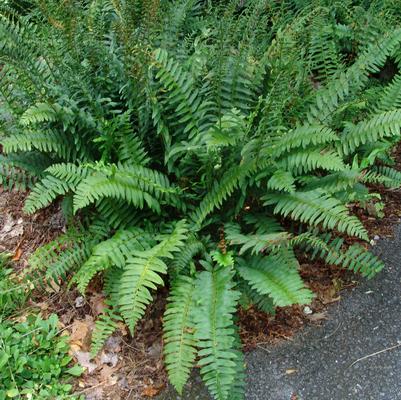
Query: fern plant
{"points": [[198, 145]]}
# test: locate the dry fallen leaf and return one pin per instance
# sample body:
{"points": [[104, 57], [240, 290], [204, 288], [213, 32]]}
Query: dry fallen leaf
{"points": [[80, 336], [317, 317], [151, 391], [97, 304], [83, 359], [17, 254], [107, 377]]}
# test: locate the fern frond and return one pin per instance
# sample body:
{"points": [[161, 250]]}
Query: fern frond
{"points": [[257, 243], [271, 276], [178, 325], [303, 161], [181, 262], [317, 208], [388, 176], [237, 391], [381, 125], [106, 324], [14, 178], [39, 112], [219, 193], [354, 79], [182, 93], [355, 257], [130, 149], [71, 173], [217, 301], [111, 252], [46, 142], [303, 137], [119, 214], [334, 182], [45, 192], [391, 96], [134, 184], [61, 256], [282, 180], [142, 273]]}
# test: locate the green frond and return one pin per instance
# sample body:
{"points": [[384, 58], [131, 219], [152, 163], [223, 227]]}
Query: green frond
{"points": [[303, 137], [118, 213], [334, 182], [63, 178], [391, 96], [14, 178], [282, 180], [45, 192], [142, 273], [355, 258], [257, 243], [62, 256], [387, 176], [44, 141], [131, 150], [182, 261], [386, 124], [251, 297], [71, 173], [237, 391], [271, 276], [182, 94], [106, 324], [136, 185], [178, 326], [39, 112], [111, 252], [68, 260], [303, 161], [317, 208], [216, 304], [354, 78], [219, 193]]}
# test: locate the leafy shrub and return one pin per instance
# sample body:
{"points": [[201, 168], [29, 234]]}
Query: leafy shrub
{"points": [[204, 145], [34, 360]]}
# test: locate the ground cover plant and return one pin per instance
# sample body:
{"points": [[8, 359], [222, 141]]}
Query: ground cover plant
{"points": [[200, 145], [34, 360]]}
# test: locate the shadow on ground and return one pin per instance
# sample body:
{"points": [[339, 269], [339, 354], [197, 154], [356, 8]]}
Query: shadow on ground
{"points": [[356, 354]]}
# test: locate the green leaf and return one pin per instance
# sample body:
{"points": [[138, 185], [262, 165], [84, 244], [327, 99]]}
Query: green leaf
{"points": [[12, 392], [76, 370], [3, 358]]}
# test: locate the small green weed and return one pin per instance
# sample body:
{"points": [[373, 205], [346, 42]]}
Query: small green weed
{"points": [[34, 360], [12, 294]]}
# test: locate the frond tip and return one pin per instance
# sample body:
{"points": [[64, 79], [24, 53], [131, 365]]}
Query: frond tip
{"points": [[217, 301], [179, 347]]}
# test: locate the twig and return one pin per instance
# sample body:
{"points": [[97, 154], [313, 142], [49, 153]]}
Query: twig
{"points": [[332, 333], [259, 346], [375, 354]]}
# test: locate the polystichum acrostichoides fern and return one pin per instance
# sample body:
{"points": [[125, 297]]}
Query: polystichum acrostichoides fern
{"points": [[201, 146]]}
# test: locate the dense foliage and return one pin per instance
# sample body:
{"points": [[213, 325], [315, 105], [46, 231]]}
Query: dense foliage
{"points": [[204, 146], [34, 360]]}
